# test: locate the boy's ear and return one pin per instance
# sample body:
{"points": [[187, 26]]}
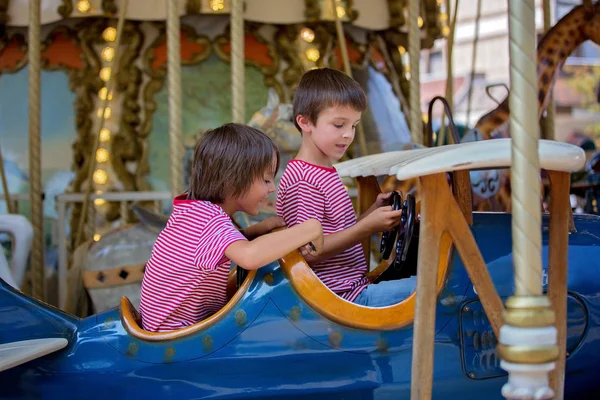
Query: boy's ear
{"points": [[304, 123]]}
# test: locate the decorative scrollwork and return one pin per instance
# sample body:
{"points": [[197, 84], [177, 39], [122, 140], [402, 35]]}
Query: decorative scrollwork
{"points": [[193, 6], [13, 53], [351, 11], [66, 8], [396, 10], [286, 40], [127, 145], [312, 10], [3, 16], [109, 7]]}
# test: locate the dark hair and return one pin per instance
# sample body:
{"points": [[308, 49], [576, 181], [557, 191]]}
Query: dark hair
{"points": [[227, 160], [322, 88]]}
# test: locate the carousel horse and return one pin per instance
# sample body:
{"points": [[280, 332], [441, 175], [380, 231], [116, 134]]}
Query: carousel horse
{"points": [[21, 232]]}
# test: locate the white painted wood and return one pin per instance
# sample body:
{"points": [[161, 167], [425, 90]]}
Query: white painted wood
{"points": [[17, 353], [484, 154]]}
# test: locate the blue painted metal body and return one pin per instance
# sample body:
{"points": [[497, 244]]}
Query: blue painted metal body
{"points": [[272, 344]]}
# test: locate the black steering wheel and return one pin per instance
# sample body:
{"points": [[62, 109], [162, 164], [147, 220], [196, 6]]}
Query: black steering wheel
{"points": [[389, 237], [406, 230]]}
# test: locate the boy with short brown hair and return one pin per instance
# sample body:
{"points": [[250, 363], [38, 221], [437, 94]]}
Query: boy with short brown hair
{"points": [[327, 107]]}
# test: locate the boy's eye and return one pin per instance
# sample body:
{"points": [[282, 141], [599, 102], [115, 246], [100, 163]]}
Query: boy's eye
{"points": [[337, 126]]}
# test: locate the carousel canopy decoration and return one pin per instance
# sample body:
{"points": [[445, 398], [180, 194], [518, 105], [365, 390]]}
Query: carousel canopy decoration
{"points": [[366, 14]]}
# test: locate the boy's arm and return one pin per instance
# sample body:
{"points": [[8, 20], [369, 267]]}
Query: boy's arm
{"points": [[379, 220], [268, 248], [262, 227], [336, 243]]}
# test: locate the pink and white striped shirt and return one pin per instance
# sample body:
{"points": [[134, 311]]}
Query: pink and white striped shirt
{"points": [[186, 277], [310, 191]]}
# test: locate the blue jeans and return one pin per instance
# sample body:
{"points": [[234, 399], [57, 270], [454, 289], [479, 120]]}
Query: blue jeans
{"points": [[386, 293]]}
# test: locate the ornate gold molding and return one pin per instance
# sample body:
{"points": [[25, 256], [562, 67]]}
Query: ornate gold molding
{"points": [[312, 10], [396, 10], [193, 6], [3, 16], [13, 53], [127, 145], [109, 7], [393, 39], [66, 8], [286, 40]]}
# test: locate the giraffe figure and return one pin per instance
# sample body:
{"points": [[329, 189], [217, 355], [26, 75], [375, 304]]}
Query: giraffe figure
{"points": [[578, 26], [582, 23]]}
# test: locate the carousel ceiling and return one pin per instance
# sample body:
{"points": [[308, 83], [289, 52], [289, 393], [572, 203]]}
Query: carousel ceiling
{"points": [[367, 14]]}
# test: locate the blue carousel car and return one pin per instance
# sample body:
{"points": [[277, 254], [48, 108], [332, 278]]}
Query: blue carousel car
{"points": [[284, 334]]}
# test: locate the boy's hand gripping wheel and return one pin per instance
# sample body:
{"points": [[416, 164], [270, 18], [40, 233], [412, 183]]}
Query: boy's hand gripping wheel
{"points": [[404, 230]]}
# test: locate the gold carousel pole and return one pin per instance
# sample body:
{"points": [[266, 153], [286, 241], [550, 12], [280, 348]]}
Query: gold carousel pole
{"points": [[92, 157], [414, 52], [527, 344], [441, 138], [174, 92], [473, 61], [237, 62], [35, 169], [341, 37]]}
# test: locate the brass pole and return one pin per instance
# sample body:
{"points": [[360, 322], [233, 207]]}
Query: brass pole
{"points": [[237, 61], [450, 76], [414, 52], [473, 61], [92, 157], [174, 77], [339, 28], [527, 343], [35, 168]]}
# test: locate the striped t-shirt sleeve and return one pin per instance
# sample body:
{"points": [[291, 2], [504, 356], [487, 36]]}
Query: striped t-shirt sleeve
{"points": [[302, 202], [218, 235]]}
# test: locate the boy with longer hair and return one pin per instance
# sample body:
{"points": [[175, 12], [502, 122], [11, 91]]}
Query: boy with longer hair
{"points": [[327, 107]]}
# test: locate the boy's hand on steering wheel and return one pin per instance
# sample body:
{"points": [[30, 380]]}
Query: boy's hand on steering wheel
{"points": [[382, 219], [382, 199]]}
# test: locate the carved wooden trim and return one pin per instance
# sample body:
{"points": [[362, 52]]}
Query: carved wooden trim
{"points": [[286, 41], [113, 277], [109, 7], [66, 8], [127, 146], [13, 53], [357, 54], [312, 10]]}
